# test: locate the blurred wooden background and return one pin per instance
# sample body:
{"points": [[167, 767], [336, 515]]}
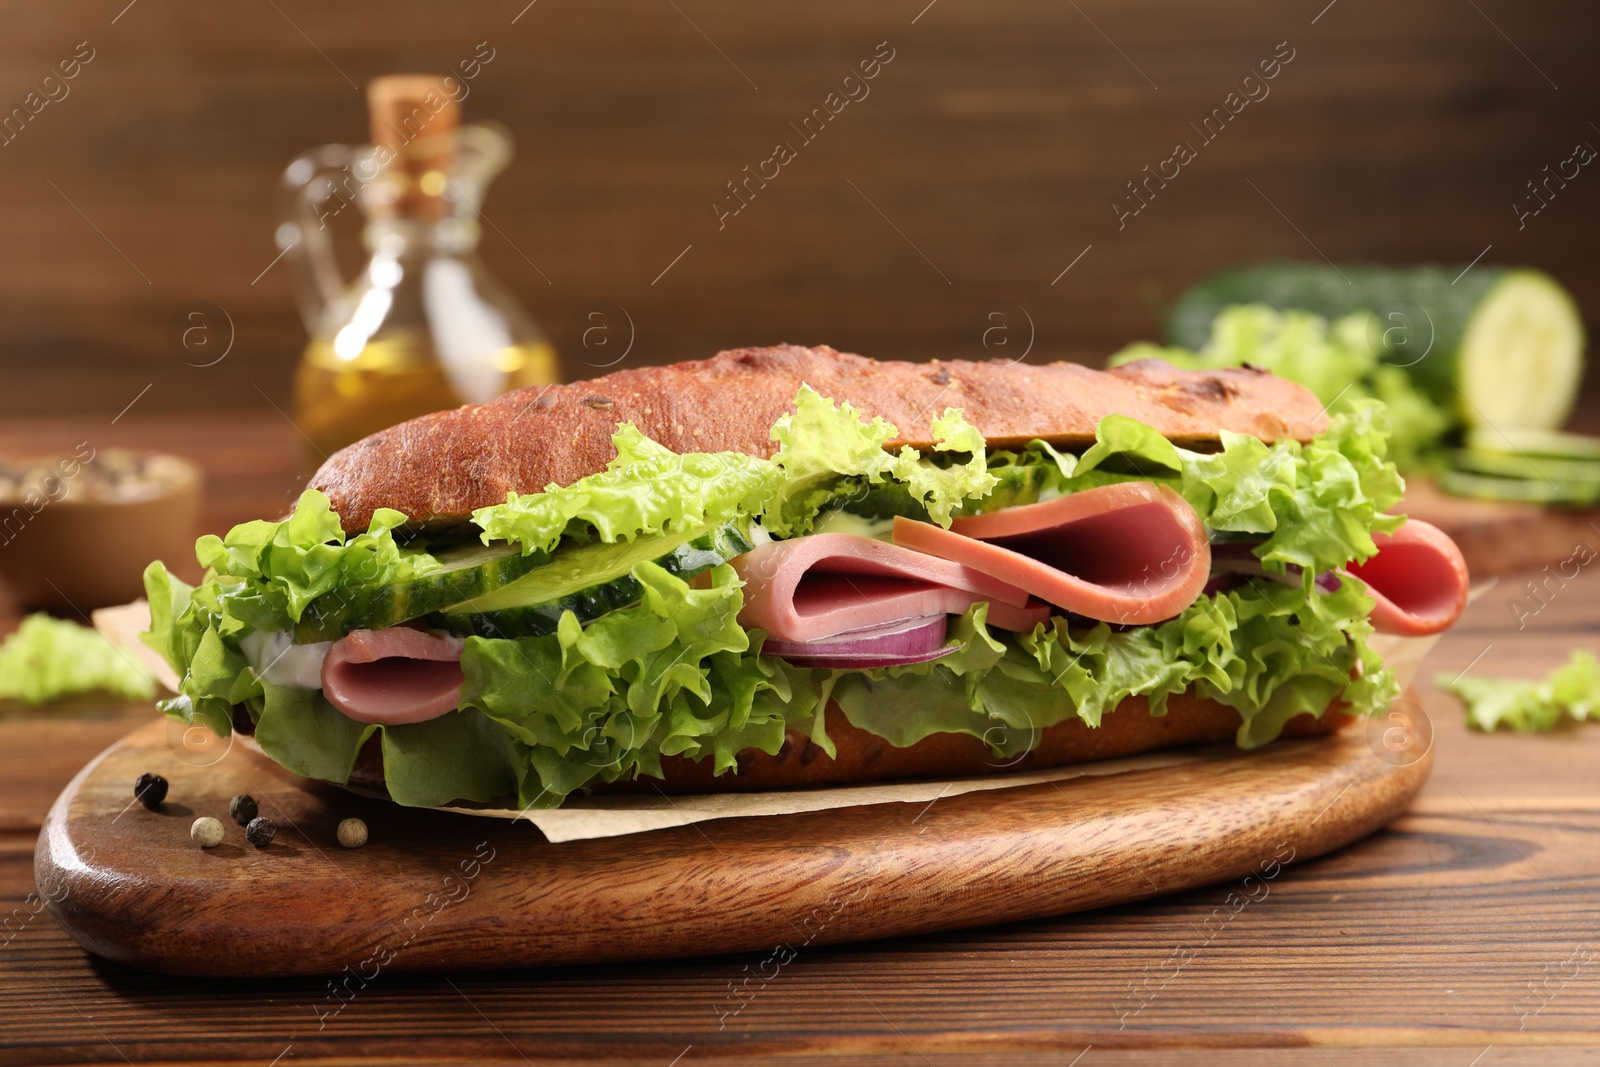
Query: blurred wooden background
{"points": [[983, 162]]}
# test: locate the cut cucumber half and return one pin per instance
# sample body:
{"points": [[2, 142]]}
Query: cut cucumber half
{"points": [[468, 571], [596, 578], [1518, 490], [1552, 444], [1521, 354]]}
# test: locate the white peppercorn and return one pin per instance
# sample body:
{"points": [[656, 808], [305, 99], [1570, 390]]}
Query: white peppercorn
{"points": [[206, 832]]}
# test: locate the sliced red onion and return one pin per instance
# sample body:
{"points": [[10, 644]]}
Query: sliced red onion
{"points": [[897, 644]]}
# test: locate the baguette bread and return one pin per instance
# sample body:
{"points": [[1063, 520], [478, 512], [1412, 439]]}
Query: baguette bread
{"points": [[438, 468], [1127, 730]]}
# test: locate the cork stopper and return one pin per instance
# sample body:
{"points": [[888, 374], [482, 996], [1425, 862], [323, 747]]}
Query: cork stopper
{"points": [[415, 119]]}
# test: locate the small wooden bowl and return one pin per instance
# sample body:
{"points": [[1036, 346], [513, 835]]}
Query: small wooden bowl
{"points": [[79, 540]]}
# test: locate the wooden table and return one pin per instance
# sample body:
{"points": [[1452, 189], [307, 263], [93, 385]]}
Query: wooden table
{"points": [[1469, 929]]}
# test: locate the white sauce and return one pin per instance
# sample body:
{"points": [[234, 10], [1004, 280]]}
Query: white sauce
{"points": [[275, 658]]}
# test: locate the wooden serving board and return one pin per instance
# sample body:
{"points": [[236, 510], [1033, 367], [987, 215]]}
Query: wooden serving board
{"points": [[1499, 538], [434, 890]]}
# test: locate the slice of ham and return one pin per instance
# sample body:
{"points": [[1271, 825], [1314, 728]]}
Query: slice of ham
{"points": [[827, 585], [1418, 578], [900, 645], [1131, 553], [394, 675]]}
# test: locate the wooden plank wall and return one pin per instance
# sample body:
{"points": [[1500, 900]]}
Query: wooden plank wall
{"points": [[984, 159]]}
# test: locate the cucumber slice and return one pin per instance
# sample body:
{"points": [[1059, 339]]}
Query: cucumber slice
{"points": [[1497, 346], [1518, 490], [595, 578], [1552, 444], [468, 571], [1523, 465], [1521, 355]]}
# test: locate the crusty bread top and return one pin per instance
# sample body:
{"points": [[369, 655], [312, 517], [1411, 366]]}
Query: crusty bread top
{"points": [[439, 467]]}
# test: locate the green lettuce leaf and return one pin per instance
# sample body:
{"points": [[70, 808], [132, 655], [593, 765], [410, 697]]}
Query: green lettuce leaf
{"points": [[47, 659], [1317, 504], [646, 489], [674, 675], [827, 453], [1124, 450], [275, 569], [1337, 361], [1142, 450], [189, 630], [1570, 693], [941, 487], [301, 731], [458, 756]]}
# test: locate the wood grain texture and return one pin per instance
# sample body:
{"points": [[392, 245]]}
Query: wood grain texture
{"points": [[439, 892], [995, 141]]}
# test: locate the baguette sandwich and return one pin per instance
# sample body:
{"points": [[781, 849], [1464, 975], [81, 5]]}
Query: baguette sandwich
{"points": [[789, 566]]}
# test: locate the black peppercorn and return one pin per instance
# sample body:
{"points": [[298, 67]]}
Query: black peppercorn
{"points": [[150, 789], [242, 808], [261, 831]]}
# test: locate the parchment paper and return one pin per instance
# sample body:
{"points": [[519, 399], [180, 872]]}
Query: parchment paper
{"points": [[122, 626], [580, 818]]}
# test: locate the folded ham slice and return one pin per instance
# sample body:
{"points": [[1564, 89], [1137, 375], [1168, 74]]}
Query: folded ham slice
{"points": [[1131, 553], [825, 585], [393, 676], [1418, 578]]}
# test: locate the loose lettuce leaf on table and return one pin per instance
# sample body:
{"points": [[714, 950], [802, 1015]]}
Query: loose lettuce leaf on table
{"points": [[1570, 693], [46, 659]]}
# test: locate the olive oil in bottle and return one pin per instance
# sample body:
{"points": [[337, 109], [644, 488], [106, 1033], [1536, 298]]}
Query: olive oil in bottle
{"points": [[423, 327]]}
